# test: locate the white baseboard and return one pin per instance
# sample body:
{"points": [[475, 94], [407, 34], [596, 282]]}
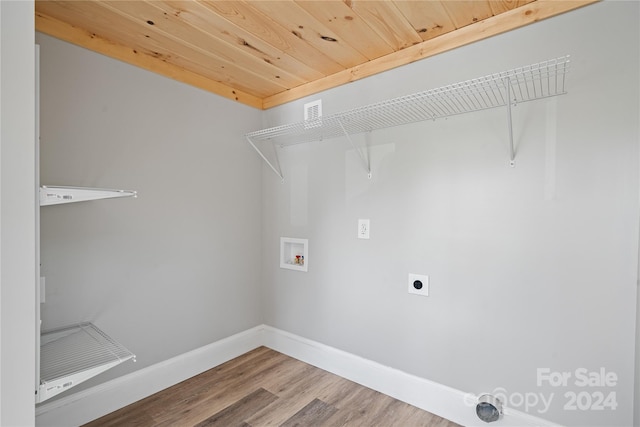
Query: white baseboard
{"points": [[87, 405], [446, 402], [449, 403]]}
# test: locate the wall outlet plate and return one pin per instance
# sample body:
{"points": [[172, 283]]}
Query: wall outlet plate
{"points": [[363, 229], [418, 284]]}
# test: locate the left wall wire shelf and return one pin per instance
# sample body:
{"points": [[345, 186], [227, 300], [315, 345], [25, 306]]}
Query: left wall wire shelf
{"points": [[73, 354], [56, 195]]}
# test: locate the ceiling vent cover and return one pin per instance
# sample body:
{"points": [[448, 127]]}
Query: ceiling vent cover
{"points": [[313, 114]]}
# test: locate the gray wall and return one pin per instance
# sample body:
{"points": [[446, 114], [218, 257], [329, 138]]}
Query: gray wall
{"points": [[545, 254], [178, 267], [17, 214], [531, 267]]}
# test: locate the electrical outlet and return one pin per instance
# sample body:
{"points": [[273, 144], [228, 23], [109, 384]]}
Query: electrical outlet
{"points": [[418, 284], [363, 229]]}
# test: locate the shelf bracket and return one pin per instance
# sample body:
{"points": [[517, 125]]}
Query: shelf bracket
{"points": [[56, 195], [512, 153], [275, 168], [365, 162]]}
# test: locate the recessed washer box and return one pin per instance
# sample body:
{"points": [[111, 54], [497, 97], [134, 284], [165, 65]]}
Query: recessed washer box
{"points": [[294, 253]]}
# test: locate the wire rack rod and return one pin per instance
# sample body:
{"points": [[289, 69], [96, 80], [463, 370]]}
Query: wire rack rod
{"points": [[528, 83]]}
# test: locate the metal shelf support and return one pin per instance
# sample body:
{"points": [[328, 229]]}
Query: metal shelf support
{"points": [[365, 162], [512, 154], [56, 195], [536, 81], [276, 169]]}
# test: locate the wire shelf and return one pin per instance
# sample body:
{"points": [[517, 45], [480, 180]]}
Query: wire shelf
{"points": [[71, 355], [528, 83]]}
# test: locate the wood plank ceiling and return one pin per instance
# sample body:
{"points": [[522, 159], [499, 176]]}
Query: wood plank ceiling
{"points": [[265, 53]]}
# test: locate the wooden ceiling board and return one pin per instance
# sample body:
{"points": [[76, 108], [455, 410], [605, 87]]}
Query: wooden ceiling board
{"points": [[265, 53], [429, 18], [349, 26], [168, 25], [198, 17], [150, 40], [299, 22], [466, 12], [501, 6], [271, 32], [388, 22]]}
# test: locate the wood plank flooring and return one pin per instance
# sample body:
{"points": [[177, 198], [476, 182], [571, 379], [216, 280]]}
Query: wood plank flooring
{"points": [[267, 388]]}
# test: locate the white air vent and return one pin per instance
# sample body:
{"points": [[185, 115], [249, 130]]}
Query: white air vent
{"points": [[313, 114]]}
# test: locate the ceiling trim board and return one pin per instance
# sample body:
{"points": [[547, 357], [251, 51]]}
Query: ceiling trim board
{"points": [[58, 29], [515, 18]]}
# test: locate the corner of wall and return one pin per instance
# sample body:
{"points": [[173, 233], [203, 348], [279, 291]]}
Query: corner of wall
{"points": [[17, 213], [636, 390]]}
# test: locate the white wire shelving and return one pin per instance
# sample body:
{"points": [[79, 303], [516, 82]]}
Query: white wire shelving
{"points": [[73, 354], [505, 89]]}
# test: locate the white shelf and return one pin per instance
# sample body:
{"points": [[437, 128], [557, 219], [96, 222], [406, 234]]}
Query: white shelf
{"points": [[73, 354], [536, 81], [54, 195], [294, 253]]}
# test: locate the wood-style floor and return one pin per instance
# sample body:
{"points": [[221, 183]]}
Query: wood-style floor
{"points": [[267, 388]]}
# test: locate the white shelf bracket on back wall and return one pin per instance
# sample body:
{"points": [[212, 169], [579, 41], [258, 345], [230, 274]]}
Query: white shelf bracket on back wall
{"points": [[56, 195], [365, 161], [536, 81]]}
